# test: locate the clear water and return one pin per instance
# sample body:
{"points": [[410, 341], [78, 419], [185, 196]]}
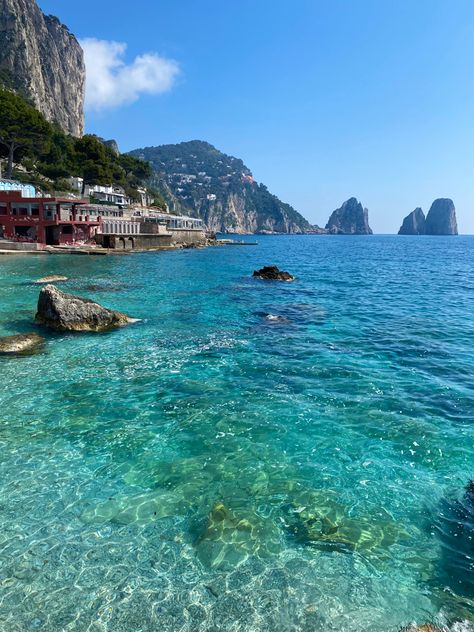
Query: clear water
{"points": [[210, 468]]}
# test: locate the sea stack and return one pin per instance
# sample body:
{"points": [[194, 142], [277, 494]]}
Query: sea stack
{"points": [[441, 219], [351, 219], [414, 224]]}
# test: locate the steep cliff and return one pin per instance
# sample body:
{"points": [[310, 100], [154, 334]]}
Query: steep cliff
{"points": [[414, 223], [351, 219], [441, 218], [197, 179], [44, 62]]}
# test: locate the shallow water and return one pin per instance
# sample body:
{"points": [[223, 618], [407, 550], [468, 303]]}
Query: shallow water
{"points": [[210, 468]]}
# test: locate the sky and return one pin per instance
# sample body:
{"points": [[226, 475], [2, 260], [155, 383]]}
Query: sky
{"points": [[322, 99]]}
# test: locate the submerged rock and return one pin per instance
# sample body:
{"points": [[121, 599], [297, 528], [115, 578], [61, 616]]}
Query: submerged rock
{"points": [[65, 312], [230, 537], [454, 526], [275, 318], [272, 273], [351, 219], [414, 223], [441, 218], [140, 509], [427, 627], [20, 344], [51, 279], [321, 522]]}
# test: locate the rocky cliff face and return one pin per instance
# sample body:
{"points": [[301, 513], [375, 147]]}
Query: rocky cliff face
{"points": [[414, 223], [198, 180], [351, 219], [43, 61], [441, 218]]}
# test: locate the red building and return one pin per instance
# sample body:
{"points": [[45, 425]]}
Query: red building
{"points": [[52, 221]]}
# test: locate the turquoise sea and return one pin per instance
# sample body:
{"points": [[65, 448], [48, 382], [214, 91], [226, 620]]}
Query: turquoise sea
{"points": [[213, 469]]}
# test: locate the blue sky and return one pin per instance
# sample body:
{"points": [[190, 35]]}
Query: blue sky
{"points": [[322, 100]]}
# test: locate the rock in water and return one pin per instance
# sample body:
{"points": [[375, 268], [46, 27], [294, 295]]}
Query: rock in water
{"points": [[272, 273], [65, 312], [43, 61], [441, 219], [351, 219], [414, 224], [20, 344], [51, 279]]}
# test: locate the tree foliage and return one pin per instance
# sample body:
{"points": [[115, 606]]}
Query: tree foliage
{"points": [[23, 130], [50, 156]]}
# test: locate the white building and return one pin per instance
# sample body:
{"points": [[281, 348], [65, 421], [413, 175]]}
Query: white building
{"points": [[27, 190]]}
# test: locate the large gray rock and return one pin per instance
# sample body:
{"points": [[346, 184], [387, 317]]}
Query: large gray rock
{"points": [[42, 60], [441, 219], [414, 224], [351, 219], [65, 312], [20, 344]]}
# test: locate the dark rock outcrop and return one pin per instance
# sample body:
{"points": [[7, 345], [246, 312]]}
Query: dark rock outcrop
{"points": [[441, 218], [197, 179], [43, 61], [272, 273], [414, 224], [20, 344], [351, 219], [65, 312]]}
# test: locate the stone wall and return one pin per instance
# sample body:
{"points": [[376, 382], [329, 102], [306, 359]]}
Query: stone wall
{"points": [[134, 242], [187, 236], [19, 245]]}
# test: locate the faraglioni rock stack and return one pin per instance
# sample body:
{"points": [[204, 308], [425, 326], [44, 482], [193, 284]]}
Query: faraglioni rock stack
{"points": [[351, 219], [414, 224], [441, 220]]}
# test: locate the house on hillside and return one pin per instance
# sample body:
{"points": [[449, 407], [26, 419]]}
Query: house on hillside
{"points": [[26, 190]]}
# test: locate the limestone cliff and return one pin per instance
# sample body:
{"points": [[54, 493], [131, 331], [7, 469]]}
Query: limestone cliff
{"points": [[197, 179], [351, 219], [44, 62], [414, 223], [441, 218]]}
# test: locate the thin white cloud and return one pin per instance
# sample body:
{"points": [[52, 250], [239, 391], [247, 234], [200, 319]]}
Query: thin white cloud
{"points": [[110, 82]]}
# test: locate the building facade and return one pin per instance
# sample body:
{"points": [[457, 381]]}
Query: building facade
{"points": [[52, 221], [26, 190]]}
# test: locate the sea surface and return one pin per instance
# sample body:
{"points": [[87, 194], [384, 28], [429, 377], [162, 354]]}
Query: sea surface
{"points": [[252, 455]]}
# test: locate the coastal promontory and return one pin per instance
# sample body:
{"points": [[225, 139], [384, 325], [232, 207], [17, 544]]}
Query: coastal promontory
{"points": [[197, 179], [350, 219], [414, 223]]}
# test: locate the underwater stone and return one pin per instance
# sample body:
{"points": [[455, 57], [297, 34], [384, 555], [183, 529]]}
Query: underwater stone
{"points": [[139, 509], [20, 343], [230, 538], [51, 279]]}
